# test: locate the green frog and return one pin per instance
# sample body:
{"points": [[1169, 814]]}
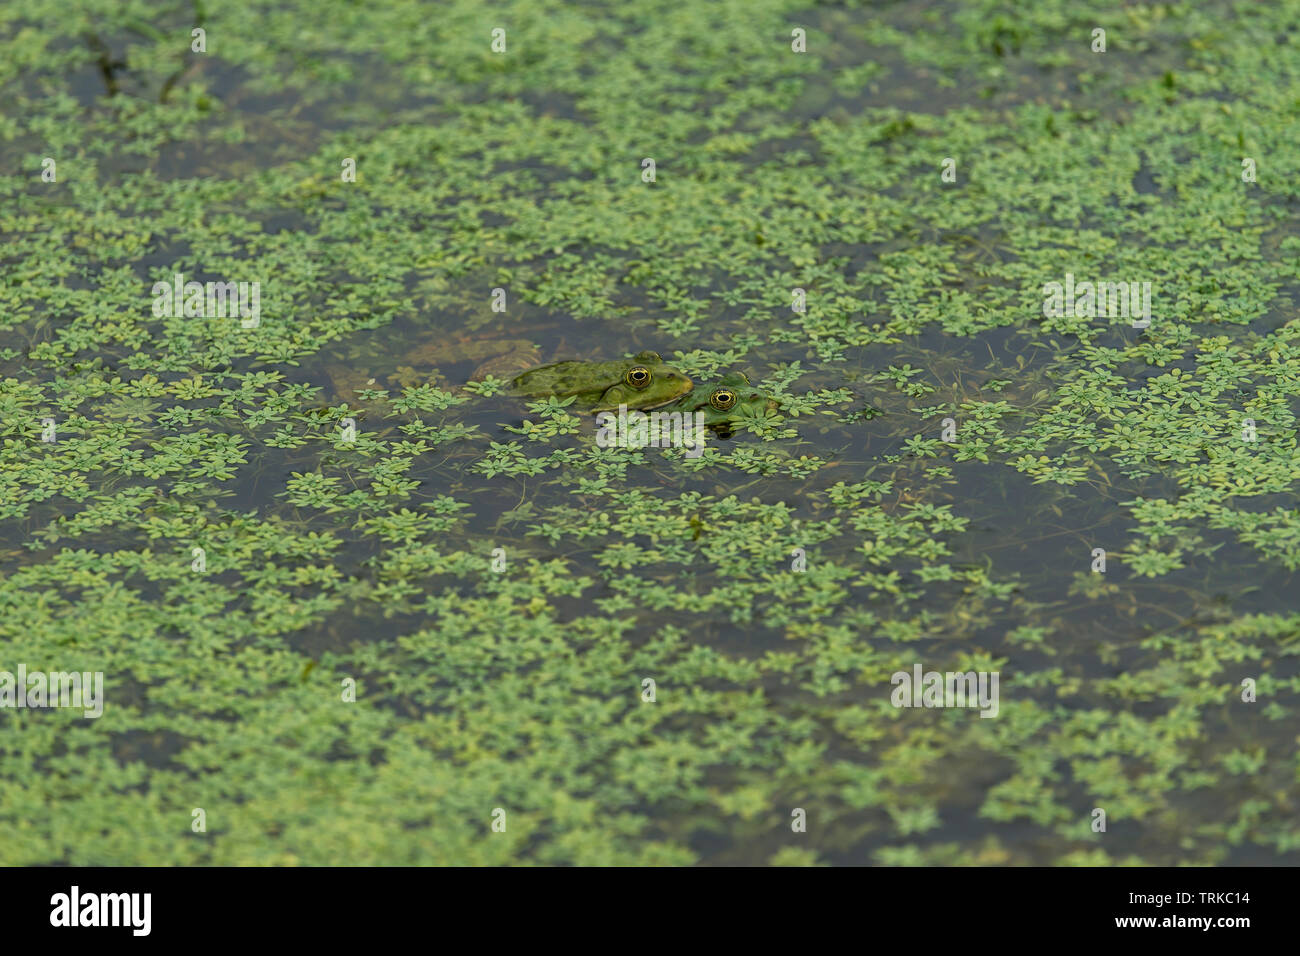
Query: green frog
{"points": [[725, 401], [642, 382]]}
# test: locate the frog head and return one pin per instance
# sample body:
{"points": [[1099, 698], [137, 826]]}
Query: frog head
{"points": [[726, 401], [642, 382], [645, 381]]}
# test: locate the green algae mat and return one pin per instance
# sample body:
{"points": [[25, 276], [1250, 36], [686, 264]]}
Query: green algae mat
{"points": [[1000, 567]]}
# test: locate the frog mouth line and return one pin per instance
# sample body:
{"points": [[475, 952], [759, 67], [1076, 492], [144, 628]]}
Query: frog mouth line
{"points": [[638, 408], [605, 406]]}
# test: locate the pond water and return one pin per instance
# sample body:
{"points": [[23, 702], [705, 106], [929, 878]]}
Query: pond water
{"points": [[358, 603]]}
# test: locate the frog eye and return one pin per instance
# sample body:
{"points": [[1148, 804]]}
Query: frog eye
{"points": [[722, 399], [638, 376]]}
